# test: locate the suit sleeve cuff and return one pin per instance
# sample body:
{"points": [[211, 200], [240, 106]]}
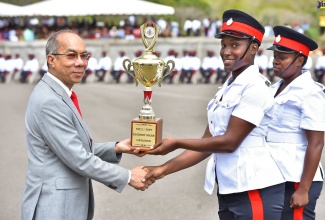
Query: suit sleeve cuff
{"points": [[129, 176]]}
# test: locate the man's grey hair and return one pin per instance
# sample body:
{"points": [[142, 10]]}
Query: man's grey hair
{"points": [[52, 44]]}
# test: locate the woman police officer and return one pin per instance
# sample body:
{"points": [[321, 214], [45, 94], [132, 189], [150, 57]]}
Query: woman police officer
{"points": [[296, 132], [250, 185]]}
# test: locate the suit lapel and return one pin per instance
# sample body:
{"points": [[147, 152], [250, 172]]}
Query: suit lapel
{"points": [[66, 99]]}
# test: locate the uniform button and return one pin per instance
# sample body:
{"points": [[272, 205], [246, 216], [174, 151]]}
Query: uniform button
{"points": [[211, 122]]}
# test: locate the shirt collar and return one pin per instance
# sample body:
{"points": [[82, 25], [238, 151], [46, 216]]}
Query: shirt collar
{"points": [[245, 76], [66, 89], [298, 82]]}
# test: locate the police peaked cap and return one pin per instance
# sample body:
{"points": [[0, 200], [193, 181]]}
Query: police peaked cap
{"points": [[240, 25], [290, 41]]}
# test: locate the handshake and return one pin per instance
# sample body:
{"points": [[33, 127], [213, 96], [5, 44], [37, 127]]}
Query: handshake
{"points": [[144, 176]]}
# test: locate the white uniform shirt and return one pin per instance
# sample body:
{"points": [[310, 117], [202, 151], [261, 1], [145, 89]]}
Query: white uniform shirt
{"points": [[31, 65], [118, 64], [251, 165], [92, 64], [19, 63], [44, 67], [320, 62], [2, 64], [301, 105], [210, 63], [261, 61], [104, 63], [186, 62], [309, 64], [9, 65], [193, 63]]}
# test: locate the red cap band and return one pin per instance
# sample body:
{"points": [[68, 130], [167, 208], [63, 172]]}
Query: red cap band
{"points": [[291, 44], [243, 28]]}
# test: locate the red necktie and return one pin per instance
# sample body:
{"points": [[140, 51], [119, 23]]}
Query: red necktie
{"points": [[74, 99]]}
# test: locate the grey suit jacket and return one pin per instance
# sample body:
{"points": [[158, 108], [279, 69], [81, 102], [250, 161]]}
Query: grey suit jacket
{"points": [[62, 159]]}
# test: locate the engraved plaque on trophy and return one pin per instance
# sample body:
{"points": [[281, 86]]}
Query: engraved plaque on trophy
{"points": [[146, 129]]}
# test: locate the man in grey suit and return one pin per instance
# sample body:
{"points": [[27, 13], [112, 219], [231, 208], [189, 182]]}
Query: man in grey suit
{"points": [[62, 159]]}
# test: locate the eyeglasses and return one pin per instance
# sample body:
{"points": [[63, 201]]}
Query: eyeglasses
{"points": [[74, 56]]}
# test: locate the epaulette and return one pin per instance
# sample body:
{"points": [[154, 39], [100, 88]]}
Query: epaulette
{"points": [[321, 86], [267, 82]]}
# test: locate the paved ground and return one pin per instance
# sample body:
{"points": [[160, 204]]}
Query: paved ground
{"points": [[108, 110]]}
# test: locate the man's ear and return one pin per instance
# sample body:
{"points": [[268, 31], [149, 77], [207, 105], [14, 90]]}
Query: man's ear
{"points": [[50, 60]]}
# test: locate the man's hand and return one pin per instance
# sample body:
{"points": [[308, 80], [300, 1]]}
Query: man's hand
{"points": [[166, 146], [125, 147], [138, 180]]}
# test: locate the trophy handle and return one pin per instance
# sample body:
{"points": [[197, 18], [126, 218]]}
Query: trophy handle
{"points": [[127, 67], [168, 70]]}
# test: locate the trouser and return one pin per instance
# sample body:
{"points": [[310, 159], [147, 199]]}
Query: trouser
{"points": [[117, 74], [24, 75], [100, 74], [207, 73], [308, 211], [260, 204], [186, 75], [221, 74]]}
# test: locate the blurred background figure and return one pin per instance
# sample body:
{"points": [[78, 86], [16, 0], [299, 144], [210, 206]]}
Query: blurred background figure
{"points": [[309, 64], [43, 69], [209, 66], [261, 61], [90, 71], [30, 69], [174, 25], [18, 64], [118, 69], [320, 67], [184, 63], [104, 65], [191, 66], [8, 69], [269, 69], [2, 64], [187, 27], [221, 72], [206, 25], [196, 27], [137, 54]]}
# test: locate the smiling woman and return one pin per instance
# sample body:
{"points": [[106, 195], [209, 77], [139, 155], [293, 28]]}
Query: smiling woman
{"points": [[234, 137]]}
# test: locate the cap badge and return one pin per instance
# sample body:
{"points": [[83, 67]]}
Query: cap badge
{"points": [[278, 38], [229, 22]]}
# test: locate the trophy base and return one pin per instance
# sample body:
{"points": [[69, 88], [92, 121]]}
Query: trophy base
{"points": [[146, 133]]}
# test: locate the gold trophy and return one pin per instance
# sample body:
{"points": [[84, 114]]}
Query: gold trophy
{"points": [[146, 129]]}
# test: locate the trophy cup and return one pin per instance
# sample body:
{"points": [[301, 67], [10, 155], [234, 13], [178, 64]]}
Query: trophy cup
{"points": [[146, 129]]}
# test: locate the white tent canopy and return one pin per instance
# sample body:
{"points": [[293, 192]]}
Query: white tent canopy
{"points": [[95, 7], [8, 10]]}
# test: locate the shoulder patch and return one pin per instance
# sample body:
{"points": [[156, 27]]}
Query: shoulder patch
{"points": [[267, 82], [321, 86]]}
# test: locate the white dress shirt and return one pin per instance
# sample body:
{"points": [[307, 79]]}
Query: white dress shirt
{"points": [[250, 166], [300, 106]]}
